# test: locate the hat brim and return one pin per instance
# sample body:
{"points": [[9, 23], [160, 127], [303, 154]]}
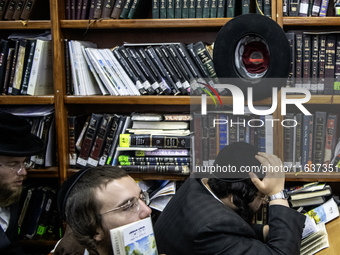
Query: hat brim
{"points": [[276, 40], [31, 145]]}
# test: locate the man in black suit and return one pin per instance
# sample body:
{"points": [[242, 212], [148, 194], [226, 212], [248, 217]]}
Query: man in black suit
{"points": [[16, 143], [213, 216]]}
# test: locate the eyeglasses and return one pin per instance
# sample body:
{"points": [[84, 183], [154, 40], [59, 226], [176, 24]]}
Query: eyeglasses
{"points": [[15, 167], [133, 204]]}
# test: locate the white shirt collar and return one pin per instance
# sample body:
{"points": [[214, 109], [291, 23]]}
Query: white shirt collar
{"points": [[211, 192]]}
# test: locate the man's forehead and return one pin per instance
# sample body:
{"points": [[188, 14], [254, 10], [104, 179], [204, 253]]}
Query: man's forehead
{"points": [[11, 159]]}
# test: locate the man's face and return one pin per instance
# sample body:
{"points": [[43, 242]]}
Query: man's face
{"points": [[259, 200], [11, 179], [115, 194]]}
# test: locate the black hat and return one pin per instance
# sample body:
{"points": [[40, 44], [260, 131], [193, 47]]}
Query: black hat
{"points": [[66, 188], [16, 139], [252, 50], [240, 159]]}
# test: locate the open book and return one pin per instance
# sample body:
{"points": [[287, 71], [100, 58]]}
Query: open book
{"points": [[134, 238]]}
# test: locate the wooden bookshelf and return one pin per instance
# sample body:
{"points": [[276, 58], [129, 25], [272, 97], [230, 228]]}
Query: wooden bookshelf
{"points": [[25, 24], [26, 100]]}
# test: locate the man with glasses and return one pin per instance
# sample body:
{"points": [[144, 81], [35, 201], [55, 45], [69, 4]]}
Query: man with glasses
{"points": [[16, 143], [210, 216], [95, 200]]}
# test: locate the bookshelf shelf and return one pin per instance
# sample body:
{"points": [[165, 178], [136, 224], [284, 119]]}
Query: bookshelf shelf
{"points": [[316, 99], [147, 176], [26, 24], [143, 23], [26, 100], [311, 177], [51, 172], [311, 21]]}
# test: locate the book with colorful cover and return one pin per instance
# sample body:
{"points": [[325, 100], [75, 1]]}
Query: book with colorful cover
{"points": [[134, 238], [325, 212]]}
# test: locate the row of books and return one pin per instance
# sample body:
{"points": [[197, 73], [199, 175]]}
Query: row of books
{"points": [[24, 9], [309, 143], [39, 217], [208, 8], [112, 139], [105, 9], [139, 69], [315, 61], [215, 130], [26, 66], [42, 121], [308, 8], [163, 9]]}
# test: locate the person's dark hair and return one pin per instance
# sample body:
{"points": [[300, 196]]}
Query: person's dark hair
{"points": [[244, 192], [82, 208]]}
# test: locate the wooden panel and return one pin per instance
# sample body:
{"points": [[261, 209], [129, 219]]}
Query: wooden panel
{"points": [[311, 21], [20, 100], [333, 231], [27, 24]]}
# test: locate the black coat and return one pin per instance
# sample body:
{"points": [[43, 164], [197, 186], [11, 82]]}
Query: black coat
{"points": [[194, 222]]}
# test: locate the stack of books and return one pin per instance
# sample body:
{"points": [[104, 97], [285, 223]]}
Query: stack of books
{"points": [[137, 143], [311, 194], [307, 8], [24, 9], [139, 69]]}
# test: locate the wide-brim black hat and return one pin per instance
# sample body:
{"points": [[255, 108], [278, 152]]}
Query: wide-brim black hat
{"points": [[16, 139], [252, 50], [239, 159]]}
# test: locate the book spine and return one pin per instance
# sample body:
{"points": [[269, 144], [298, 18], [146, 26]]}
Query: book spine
{"points": [[40, 158], [98, 145], [156, 169], [199, 9], [322, 60], [293, 10], [319, 137], [267, 8], [230, 8], [213, 9], [71, 121], [336, 89], [259, 7], [170, 9], [92, 7], [324, 7], [155, 9], [14, 62], [298, 140], [19, 67], [88, 139], [10, 9], [330, 64], [107, 8], [298, 60], [115, 142], [331, 137], [314, 64], [85, 8], [291, 75], [8, 71], [316, 8], [126, 158], [245, 7], [98, 9], [79, 6], [125, 11], [27, 73], [306, 61], [117, 9], [303, 10], [18, 9], [211, 138], [206, 9], [3, 8], [156, 141], [185, 9]]}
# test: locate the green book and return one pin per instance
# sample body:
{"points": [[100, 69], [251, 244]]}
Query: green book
{"points": [[199, 8], [155, 9], [231, 8], [162, 9], [267, 8], [125, 11], [245, 6], [170, 9], [178, 9], [213, 9], [192, 9], [220, 8], [206, 8], [185, 9]]}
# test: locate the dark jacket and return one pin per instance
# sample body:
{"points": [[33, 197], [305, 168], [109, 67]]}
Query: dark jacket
{"points": [[8, 239], [194, 222]]}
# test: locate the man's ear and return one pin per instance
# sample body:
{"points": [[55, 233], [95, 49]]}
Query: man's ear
{"points": [[99, 236]]}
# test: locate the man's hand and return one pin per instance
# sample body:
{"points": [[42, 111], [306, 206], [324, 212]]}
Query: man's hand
{"points": [[274, 180]]}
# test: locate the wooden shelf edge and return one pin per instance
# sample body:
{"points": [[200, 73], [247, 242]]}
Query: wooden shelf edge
{"points": [[5, 100], [26, 24], [316, 99], [311, 177], [311, 21], [147, 176], [144, 23], [51, 172]]}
